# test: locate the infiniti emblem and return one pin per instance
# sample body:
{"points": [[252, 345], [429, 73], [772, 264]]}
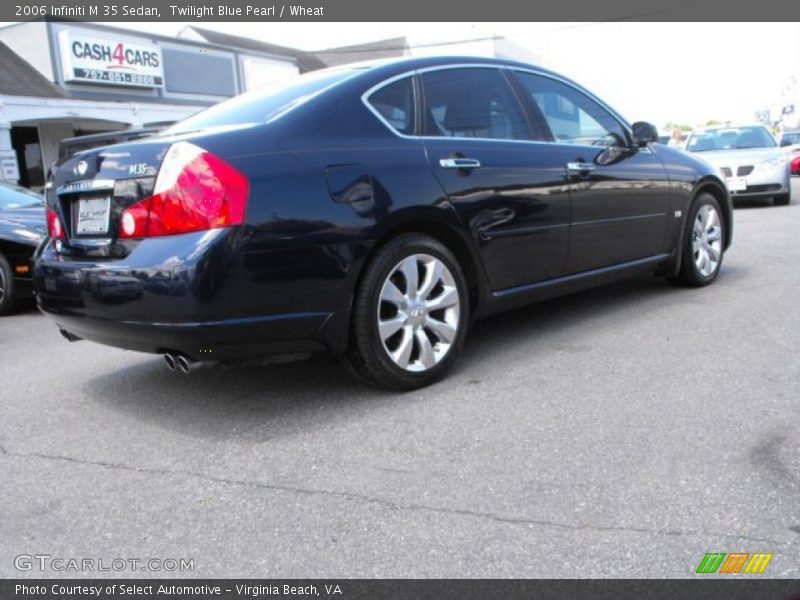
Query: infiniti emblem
{"points": [[81, 168]]}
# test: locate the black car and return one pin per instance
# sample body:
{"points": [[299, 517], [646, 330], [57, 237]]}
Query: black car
{"points": [[22, 228], [371, 211]]}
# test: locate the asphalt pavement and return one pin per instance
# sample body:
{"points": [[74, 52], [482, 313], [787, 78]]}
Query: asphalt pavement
{"points": [[620, 432]]}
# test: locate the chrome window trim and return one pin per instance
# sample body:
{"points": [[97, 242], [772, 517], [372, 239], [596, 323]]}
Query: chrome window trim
{"points": [[386, 83], [411, 73], [365, 100]]}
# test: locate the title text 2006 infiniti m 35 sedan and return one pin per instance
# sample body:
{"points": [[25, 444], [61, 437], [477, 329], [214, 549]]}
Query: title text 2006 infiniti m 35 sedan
{"points": [[371, 211]]}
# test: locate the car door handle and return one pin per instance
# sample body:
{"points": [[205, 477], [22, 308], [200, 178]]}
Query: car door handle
{"points": [[580, 167], [459, 163]]}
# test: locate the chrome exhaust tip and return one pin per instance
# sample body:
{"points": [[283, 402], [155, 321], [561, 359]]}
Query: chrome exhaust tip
{"points": [[184, 364], [188, 365], [170, 360]]}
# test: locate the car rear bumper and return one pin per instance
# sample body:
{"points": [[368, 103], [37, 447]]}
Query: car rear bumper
{"points": [[201, 295], [232, 339]]}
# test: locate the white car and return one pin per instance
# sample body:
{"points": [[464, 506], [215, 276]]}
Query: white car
{"points": [[749, 158]]}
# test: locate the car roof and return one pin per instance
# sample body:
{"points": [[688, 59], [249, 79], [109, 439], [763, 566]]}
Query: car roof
{"points": [[394, 66]]}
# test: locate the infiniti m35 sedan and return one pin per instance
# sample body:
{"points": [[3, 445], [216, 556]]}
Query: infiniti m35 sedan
{"points": [[371, 211]]}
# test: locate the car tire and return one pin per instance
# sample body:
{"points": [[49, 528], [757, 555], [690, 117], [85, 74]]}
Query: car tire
{"points": [[8, 299], [782, 200], [409, 316], [704, 240]]}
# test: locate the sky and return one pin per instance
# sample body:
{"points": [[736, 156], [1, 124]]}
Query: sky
{"points": [[659, 72]]}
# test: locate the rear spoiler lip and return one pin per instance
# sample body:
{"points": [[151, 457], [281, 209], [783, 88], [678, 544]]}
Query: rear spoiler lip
{"points": [[100, 140]]}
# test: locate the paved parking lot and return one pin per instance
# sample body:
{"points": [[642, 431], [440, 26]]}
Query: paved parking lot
{"points": [[621, 432]]}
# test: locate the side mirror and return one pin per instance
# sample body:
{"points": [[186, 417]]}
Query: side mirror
{"points": [[644, 133], [611, 155], [785, 142]]}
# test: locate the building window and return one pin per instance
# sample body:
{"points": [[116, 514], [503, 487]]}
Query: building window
{"points": [[25, 141]]}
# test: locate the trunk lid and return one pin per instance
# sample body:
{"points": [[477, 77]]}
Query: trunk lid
{"points": [[90, 190]]}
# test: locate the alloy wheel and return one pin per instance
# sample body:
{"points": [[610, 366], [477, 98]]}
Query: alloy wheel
{"points": [[418, 312], [2, 285], [707, 240]]}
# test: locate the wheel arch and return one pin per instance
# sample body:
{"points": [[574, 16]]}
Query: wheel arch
{"points": [[358, 354], [441, 224], [717, 189], [446, 232]]}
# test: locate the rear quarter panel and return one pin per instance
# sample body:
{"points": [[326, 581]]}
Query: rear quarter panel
{"points": [[304, 244]]}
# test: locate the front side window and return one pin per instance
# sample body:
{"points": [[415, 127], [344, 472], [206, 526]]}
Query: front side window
{"points": [[395, 104], [472, 103], [572, 117]]}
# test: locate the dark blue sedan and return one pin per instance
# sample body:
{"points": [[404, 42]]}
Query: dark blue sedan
{"points": [[370, 211]]}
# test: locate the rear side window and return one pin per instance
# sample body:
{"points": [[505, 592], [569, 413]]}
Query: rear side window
{"points": [[395, 104], [573, 117], [476, 103]]}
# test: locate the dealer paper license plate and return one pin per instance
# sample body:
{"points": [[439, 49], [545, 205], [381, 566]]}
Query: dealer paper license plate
{"points": [[93, 215], [737, 184]]}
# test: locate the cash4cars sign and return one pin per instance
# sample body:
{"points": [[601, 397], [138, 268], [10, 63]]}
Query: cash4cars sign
{"points": [[109, 61]]}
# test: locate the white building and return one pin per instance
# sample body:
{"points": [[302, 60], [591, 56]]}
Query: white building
{"points": [[58, 80]]}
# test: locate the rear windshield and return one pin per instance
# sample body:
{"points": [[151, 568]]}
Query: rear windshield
{"points": [[731, 138], [263, 104]]}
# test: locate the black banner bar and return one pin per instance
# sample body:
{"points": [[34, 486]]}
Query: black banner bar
{"points": [[199, 11], [718, 588]]}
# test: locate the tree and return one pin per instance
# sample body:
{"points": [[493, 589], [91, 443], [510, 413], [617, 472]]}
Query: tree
{"points": [[670, 126]]}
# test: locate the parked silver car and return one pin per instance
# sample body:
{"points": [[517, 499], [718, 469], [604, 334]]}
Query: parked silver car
{"points": [[753, 164]]}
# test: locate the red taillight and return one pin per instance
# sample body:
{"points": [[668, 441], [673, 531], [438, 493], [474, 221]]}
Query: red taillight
{"points": [[54, 227], [194, 191]]}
